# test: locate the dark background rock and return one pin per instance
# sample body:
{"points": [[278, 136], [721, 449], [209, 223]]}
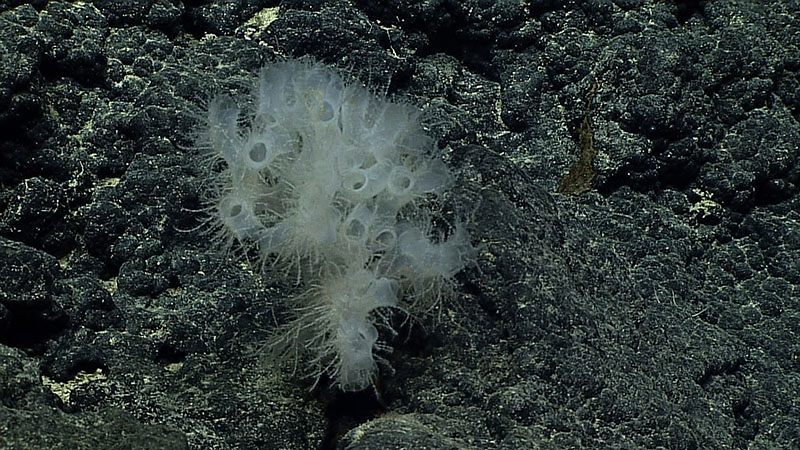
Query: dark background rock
{"points": [[658, 309]]}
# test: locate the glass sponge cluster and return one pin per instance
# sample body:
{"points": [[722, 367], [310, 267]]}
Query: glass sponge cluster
{"points": [[326, 178]]}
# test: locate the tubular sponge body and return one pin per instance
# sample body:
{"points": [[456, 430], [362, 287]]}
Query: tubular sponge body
{"points": [[327, 178]]}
